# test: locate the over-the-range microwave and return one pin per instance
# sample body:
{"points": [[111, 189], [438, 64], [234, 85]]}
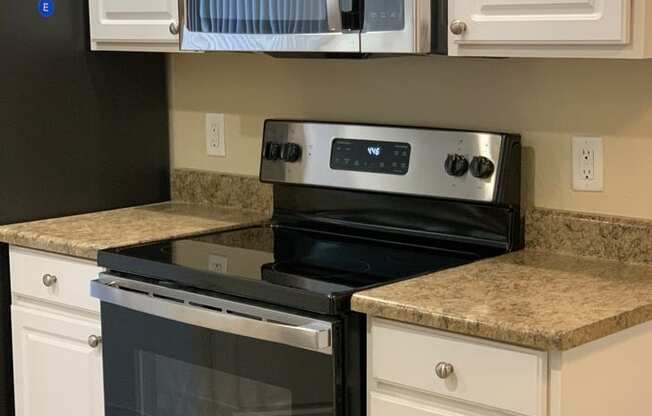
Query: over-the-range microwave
{"points": [[315, 26]]}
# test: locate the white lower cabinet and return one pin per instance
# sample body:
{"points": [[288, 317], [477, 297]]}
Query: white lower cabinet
{"points": [[56, 335], [381, 405], [385, 405], [56, 371], [605, 377], [459, 375], [491, 375]]}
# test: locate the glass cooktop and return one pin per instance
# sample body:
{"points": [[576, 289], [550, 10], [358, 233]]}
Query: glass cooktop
{"points": [[298, 268]]}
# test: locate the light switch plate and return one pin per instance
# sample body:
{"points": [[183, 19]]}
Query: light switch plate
{"points": [[588, 164], [215, 138]]}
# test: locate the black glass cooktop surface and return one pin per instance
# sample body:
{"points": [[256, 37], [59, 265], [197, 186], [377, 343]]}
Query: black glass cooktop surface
{"points": [[297, 268]]}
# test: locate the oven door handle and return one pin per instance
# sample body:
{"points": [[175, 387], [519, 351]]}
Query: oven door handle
{"points": [[215, 313]]}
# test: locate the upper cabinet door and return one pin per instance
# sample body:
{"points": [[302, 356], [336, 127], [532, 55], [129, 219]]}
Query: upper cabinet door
{"points": [[513, 25], [130, 25]]}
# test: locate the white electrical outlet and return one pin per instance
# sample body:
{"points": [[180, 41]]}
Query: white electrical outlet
{"points": [[217, 263], [588, 164], [215, 139]]}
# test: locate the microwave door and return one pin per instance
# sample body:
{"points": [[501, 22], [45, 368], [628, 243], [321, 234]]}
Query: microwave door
{"points": [[398, 26], [267, 26]]}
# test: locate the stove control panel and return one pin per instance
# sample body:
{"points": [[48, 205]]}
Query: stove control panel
{"points": [[403, 160]]}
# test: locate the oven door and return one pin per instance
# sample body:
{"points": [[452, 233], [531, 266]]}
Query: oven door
{"points": [[270, 26], [404, 26], [169, 352]]}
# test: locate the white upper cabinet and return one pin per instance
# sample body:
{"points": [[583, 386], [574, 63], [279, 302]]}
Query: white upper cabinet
{"points": [[549, 28], [545, 21], [134, 25]]}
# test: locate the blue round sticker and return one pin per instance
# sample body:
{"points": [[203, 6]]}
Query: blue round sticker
{"points": [[46, 7]]}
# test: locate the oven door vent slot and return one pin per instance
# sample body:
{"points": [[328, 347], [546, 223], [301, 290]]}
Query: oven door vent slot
{"points": [[155, 295], [200, 305]]}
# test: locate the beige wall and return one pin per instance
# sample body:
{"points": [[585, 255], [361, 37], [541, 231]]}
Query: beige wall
{"points": [[546, 101]]}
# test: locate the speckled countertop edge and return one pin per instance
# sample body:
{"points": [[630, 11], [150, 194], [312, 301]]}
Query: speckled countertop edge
{"points": [[537, 299], [84, 235]]}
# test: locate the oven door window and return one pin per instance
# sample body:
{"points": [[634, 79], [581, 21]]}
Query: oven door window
{"points": [[158, 367]]}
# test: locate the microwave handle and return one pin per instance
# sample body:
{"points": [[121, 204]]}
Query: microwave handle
{"points": [[215, 314], [183, 18], [334, 14]]}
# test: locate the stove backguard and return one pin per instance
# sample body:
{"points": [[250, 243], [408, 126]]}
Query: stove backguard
{"points": [[449, 187]]}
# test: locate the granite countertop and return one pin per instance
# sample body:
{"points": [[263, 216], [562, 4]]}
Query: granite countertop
{"points": [[83, 235], [530, 298]]}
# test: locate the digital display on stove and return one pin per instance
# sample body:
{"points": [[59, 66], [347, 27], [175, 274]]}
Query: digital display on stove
{"points": [[371, 156]]}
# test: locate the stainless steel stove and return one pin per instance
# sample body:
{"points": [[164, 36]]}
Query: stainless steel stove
{"points": [[257, 321]]}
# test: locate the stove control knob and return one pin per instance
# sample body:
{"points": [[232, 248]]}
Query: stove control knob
{"points": [[272, 151], [482, 168], [291, 152], [456, 165]]}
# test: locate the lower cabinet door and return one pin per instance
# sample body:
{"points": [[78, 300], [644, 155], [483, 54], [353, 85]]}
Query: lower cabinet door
{"points": [[381, 405], [385, 405], [56, 371]]}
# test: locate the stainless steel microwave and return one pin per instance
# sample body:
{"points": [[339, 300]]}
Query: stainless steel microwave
{"points": [[315, 26]]}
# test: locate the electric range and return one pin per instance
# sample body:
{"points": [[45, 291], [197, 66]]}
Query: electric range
{"points": [[257, 320]]}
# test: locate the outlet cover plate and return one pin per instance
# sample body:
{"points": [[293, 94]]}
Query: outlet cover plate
{"points": [[215, 138], [588, 164], [218, 263]]}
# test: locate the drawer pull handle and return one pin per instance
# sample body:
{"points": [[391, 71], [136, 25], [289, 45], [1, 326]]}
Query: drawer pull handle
{"points": [[444, 370], [49, 280], [458, 27], [94, 341]]}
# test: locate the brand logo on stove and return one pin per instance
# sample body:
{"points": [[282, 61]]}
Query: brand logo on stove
{"points": [[374, 150]]}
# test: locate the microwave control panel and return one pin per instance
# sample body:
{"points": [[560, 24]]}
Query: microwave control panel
{"points": [[370, 156], [384, 15]]}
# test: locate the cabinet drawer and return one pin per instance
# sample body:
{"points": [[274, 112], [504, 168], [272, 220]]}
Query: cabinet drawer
{"points": [[488, 374], [73, 276]]}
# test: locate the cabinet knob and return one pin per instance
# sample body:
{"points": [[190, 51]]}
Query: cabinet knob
{"points": [[94, 341], [458, 27], [444, 370], [49, 280], [174, 28]]}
